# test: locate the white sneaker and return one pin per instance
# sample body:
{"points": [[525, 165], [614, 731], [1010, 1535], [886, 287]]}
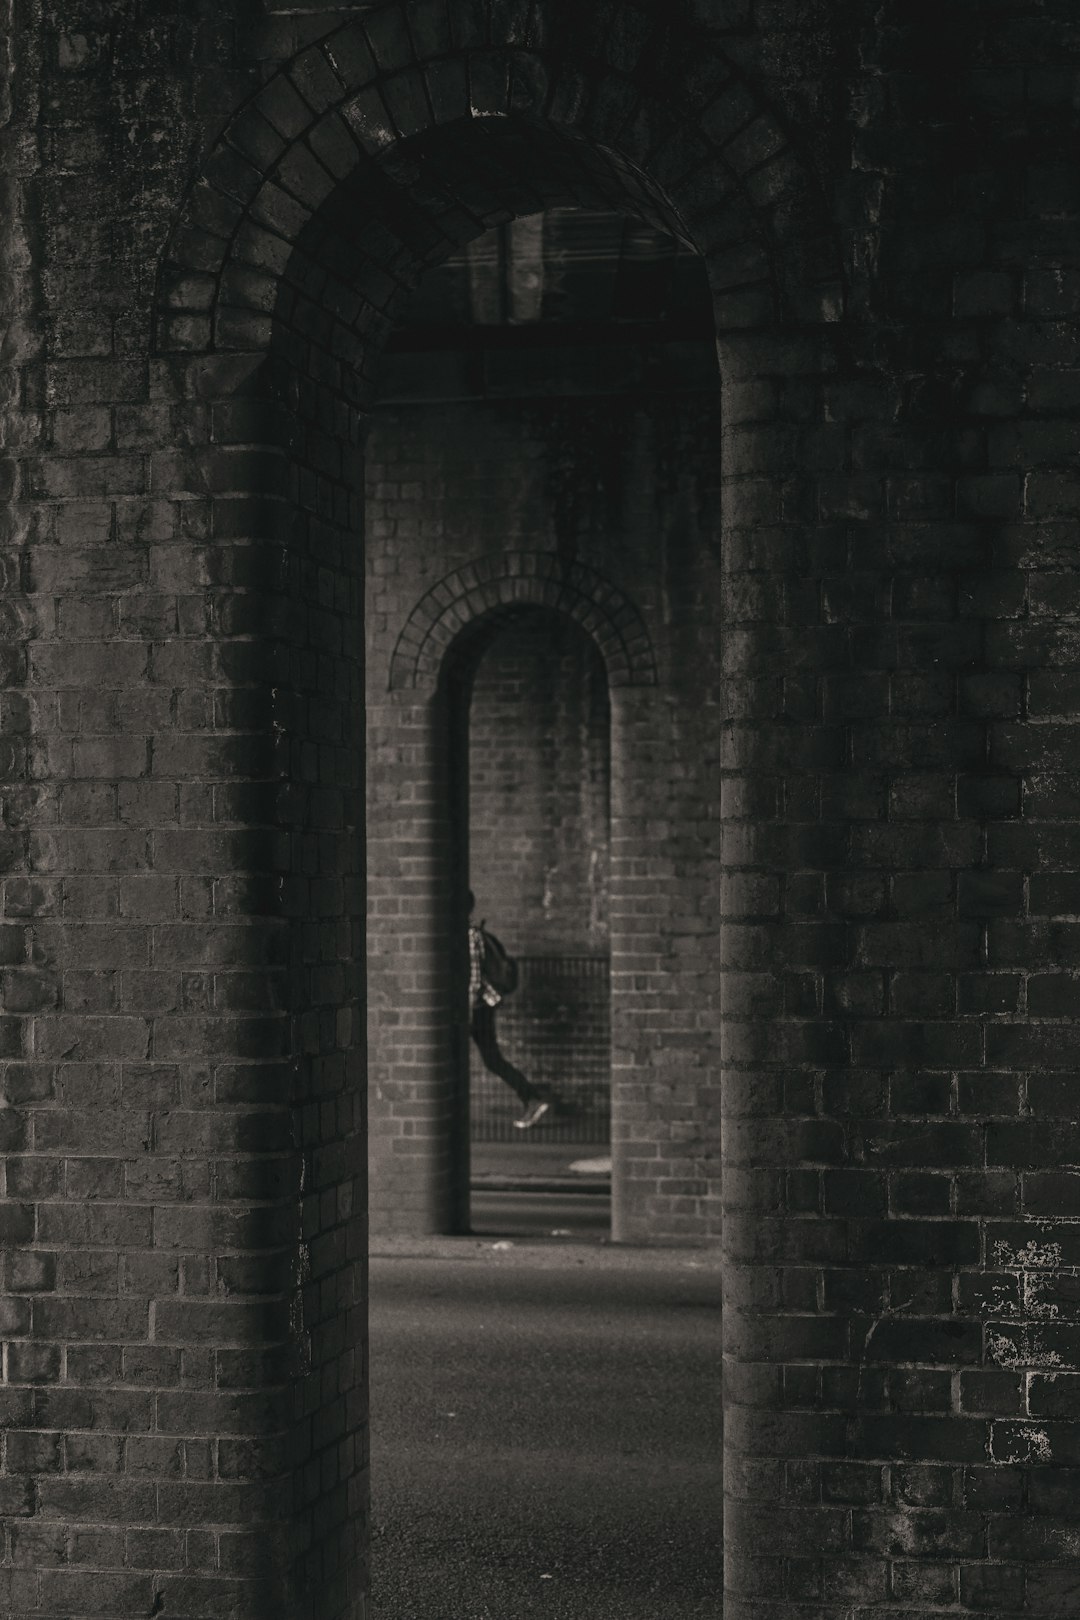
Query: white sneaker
{"points": [[534, 1112]]}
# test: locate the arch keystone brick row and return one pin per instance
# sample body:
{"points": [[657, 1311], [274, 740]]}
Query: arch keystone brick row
{"points": [[518, 579], [378, 86]]}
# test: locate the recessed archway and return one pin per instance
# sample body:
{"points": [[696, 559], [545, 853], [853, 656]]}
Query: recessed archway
{"points": [[492, 586], [889, 597], [368, 156], [432, 723], [537, 836]]}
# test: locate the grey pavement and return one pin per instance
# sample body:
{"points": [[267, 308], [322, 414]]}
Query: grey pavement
{"points": [[533, 1164], [546, 1430], [522, 1214]]}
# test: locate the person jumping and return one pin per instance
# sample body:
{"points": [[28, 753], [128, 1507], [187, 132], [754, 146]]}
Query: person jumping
{"points": [[484, 997]]}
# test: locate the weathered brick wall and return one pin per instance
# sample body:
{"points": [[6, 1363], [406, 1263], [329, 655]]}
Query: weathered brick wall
{"points": [[629, 489], [888, 210], [895, 532], [540, 789], [184, 1371]]}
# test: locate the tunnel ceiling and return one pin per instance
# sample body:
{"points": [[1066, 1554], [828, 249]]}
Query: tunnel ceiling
{"points": [[578, 268]]}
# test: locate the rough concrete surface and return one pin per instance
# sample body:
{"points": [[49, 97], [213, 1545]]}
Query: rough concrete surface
{"points": [[547, 1420]]}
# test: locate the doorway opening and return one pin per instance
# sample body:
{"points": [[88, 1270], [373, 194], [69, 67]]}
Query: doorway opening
{"points": [[535, 830], [545, 452], [311, 268]]}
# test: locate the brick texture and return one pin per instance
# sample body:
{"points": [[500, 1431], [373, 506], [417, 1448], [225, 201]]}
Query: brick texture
{"points": [[210, 218], [540, 789], [516, 518]]}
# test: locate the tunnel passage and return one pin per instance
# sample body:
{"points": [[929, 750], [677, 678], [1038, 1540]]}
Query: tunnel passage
{"points": [[538, 857], [547, 432], [207, 224]]}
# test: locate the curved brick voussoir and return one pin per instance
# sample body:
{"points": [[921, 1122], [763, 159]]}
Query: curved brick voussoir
{"points": [[379, 85], [461, 602]]}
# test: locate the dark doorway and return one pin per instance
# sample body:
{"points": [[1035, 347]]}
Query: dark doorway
{"points": [[543, 477], [538, 852]]}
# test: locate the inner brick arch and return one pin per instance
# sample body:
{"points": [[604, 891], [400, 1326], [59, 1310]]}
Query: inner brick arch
{"points": [[321, 203], [663, 119], [520, 579], [418, 839]]}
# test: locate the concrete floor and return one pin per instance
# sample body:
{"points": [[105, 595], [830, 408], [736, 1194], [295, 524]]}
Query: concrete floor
{"points": [[546, 1431], [526, 1216]]}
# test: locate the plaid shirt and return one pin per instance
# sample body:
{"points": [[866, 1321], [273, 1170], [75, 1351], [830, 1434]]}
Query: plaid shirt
{"points": [[480, 992]]}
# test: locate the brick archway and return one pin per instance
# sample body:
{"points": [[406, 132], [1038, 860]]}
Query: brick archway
{"points": [[363, 159], [703, 151], [419, 836], [183, 714], [519, 579]]}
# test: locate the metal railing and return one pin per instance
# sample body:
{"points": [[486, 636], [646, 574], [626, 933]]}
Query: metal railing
{"points": [[556, 1027]]}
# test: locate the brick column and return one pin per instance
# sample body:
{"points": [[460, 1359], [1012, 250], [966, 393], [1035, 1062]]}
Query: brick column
{"points": [[185, 957], [664, 975], [836, 768], [418, 969], [891, 764]]}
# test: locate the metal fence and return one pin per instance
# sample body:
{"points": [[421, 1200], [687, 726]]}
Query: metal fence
{"points": [[557, 1028]]}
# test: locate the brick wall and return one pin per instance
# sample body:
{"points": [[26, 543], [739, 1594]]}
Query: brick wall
{"points": [[888, 849], [629, 488], [887, 208], [540, 789], [183, 1381]]}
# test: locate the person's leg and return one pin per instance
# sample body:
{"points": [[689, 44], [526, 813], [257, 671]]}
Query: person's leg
{"points": [[483, 1033]]}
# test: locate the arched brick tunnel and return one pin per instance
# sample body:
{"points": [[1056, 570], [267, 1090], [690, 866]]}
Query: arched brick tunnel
{"points": [[212, 222]]}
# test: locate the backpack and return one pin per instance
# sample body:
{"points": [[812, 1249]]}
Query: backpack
{"points": [[497, 966]]}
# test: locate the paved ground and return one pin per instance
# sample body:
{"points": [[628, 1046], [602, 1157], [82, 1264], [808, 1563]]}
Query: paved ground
{"points": [[540, 1166], [525, 1159], [546, 1420], [574, 1216]]}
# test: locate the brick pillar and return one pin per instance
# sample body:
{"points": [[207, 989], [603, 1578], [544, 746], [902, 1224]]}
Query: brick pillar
{"points": [[887, 886], [185, 1367], [664, 978], [315, 634], [807, 944], [417, 969]]}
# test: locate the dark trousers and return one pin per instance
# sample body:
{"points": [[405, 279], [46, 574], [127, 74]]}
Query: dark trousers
{"points": [[482, 1030]]}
